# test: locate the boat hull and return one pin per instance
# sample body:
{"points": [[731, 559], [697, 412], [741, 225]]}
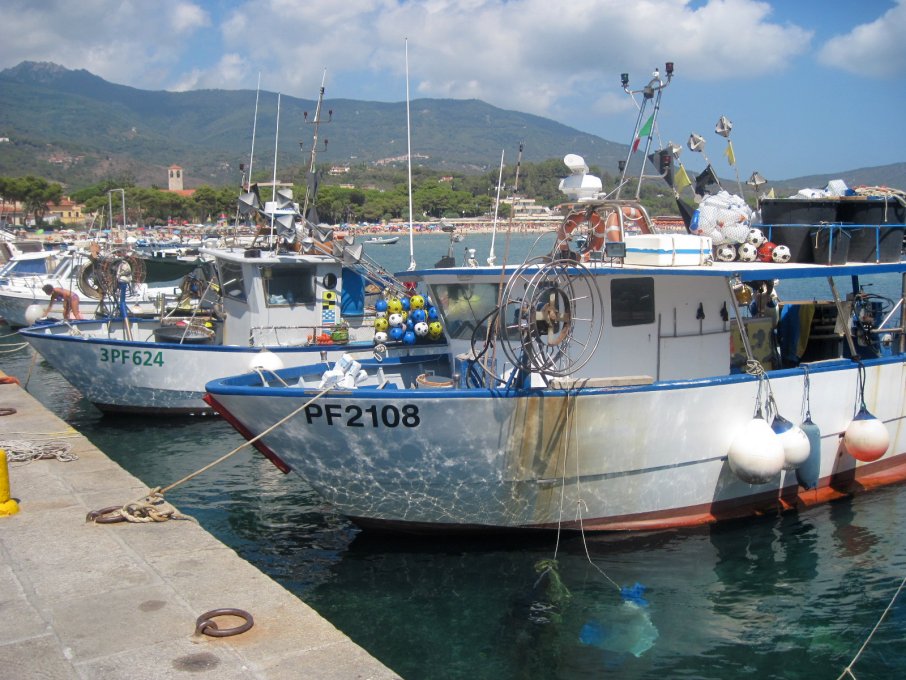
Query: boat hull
{"points": [[628, 458], [144, 376]]}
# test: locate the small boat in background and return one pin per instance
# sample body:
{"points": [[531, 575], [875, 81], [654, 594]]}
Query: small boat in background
{"points": [[382, 240]]}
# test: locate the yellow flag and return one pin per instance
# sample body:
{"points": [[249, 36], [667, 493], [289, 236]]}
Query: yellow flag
{"points": [[681, 179], [731, 157]]}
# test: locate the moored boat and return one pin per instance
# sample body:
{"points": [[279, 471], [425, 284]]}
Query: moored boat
{"points": [[641, 383], [272, 309]]}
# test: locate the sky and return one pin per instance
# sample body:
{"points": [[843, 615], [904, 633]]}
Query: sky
{"points": [[810, 86]]}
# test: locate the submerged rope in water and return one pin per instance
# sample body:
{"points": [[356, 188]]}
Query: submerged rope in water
{"points": [[14, 348], [849, 669]]}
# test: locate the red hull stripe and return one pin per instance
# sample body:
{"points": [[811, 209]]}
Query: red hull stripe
{"points": [[278, 462]]}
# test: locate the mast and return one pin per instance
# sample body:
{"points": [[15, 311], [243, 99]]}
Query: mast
{"points": [[409, 162], [492, 258], [316, 121], [651, 91], [254, 130], [274, 185]]}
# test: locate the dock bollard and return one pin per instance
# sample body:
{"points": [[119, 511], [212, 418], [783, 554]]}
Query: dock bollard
{"points": [[7, 505]]}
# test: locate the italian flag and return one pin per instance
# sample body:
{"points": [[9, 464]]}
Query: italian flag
{"points": [[643, 132]]}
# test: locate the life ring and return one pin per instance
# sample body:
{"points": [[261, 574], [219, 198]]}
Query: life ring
{"points": [[573, 220], [633, 216]]}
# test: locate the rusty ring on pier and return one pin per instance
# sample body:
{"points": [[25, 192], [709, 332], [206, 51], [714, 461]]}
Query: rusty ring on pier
{"points": [[100, 516], [204, 624], [7, 411]]}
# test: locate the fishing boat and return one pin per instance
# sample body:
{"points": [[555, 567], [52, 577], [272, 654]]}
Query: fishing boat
{"points": [[94, 277], [261, 309], [641, 384], [382, 240]]}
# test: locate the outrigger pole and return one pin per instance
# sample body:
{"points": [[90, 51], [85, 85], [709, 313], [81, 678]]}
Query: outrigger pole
{"points": [[652, 90]]}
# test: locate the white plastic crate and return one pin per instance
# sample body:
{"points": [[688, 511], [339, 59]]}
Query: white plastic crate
{"points": [[667, 250]]}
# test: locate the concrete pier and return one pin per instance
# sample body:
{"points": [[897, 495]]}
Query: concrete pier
{"points": [[84, 600]]}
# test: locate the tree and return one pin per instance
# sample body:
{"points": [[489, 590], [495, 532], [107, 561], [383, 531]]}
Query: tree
{"points": [[35, 193]]}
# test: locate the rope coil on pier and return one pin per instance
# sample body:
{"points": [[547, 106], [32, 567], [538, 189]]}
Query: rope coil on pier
{"points": [[22, 451], [151, 508]]}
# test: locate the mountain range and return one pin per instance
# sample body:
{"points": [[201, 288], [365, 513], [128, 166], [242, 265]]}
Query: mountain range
{"points": [[73, 127]]}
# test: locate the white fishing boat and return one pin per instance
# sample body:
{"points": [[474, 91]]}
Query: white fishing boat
{"points": [[274, 309], [93, 278], [642, 384], [382, 240]]}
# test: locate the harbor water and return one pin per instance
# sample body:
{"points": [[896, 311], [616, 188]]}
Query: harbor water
{"points": [[792, 596]]}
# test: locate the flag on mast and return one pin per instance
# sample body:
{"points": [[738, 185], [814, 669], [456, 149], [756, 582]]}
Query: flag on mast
{"points": [[643, 132], [681, 179], [731, 157]]}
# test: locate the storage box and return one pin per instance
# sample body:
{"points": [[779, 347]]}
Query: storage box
{"points": [[788, 221], [667, 250], [830, 244]]}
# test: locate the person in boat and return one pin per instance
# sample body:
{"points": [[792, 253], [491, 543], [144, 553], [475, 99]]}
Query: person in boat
{"points": [[69, 299]]}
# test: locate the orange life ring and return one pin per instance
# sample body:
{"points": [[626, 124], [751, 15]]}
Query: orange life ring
{"points": [[573, 220], [9, 380]]}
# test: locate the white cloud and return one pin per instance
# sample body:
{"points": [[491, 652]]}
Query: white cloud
{"points": [[186, 17], [875, 49], [532, 55]]}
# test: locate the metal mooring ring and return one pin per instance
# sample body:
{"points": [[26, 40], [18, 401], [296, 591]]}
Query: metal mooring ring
{"points": [[104, 515], [204, 624], [7, 411]]}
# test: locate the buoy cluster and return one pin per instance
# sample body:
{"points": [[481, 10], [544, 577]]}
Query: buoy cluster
{"points": [[406, 319], [755, 247], [760, 451]]}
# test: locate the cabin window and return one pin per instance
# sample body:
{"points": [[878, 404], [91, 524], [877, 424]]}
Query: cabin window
{"points": [[288, 286], [231, 278], [632, 301], [464, 306], [28, 268]]}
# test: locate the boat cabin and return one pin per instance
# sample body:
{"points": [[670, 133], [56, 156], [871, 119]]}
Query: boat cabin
{"points": [[285, 299], [650, 324]]}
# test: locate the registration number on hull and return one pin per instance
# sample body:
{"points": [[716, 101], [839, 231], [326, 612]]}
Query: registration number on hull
{"points": [[371, 416], [136, 357]]}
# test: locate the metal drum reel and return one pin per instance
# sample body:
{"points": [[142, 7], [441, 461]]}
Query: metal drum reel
{"points": [[551, 318]]}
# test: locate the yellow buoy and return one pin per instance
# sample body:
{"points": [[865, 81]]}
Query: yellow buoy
{"points": [[8, 506]]}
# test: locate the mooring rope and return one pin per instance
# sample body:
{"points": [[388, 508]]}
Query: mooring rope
{"points": [[848, 671], [153, 507], [25, 451]]}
